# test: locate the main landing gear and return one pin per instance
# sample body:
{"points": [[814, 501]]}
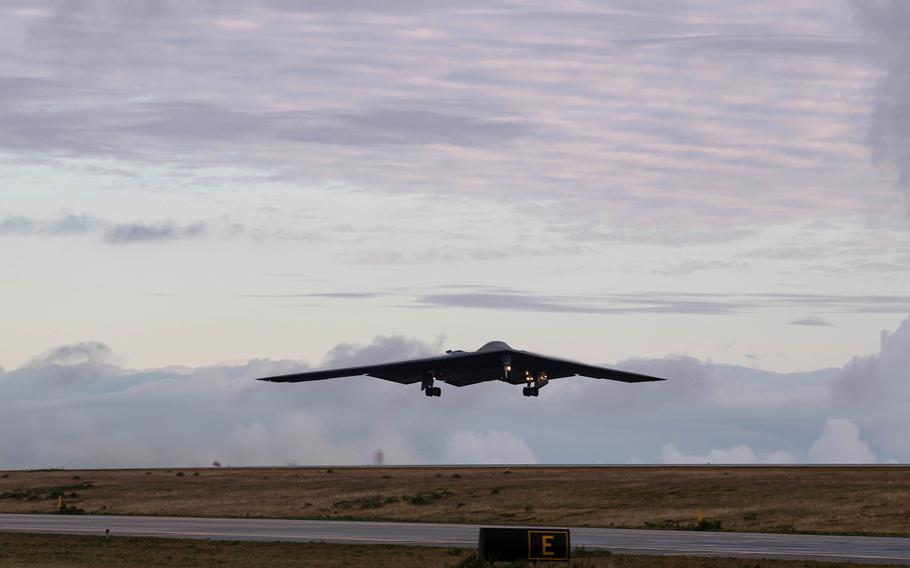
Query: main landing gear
{"points": [[535, 382], [427, 384]]}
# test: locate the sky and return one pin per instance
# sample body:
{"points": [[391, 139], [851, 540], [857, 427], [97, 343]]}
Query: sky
{"points": [[194, 194]]}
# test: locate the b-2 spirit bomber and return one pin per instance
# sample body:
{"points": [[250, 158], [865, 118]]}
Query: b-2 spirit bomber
{"points": [[495, 361]]}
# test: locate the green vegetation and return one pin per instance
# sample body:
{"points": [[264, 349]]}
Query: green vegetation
{"points": [[376, 501], [45, 493], [707, 525], [70, 510], [372, 502], [426, 497]]}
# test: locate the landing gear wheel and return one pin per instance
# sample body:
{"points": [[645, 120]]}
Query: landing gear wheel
{"points": [[530, 391], [433, 391]]}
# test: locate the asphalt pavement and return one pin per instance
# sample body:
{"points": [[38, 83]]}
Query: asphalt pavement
{"points": [[625, 541]]}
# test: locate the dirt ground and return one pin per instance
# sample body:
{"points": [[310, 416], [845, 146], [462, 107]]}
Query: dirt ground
{"points": [[57, 551], [861, 500]]}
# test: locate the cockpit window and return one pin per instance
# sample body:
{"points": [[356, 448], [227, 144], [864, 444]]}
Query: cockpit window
{"points": [[493, 345]]}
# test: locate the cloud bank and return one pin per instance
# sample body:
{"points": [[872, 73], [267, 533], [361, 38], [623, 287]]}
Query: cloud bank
{"points": [[74, 407], [676, 115], [885, 21]]}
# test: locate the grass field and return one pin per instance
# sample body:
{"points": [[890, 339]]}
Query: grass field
{"points": [[45, 551], [769, 499]]}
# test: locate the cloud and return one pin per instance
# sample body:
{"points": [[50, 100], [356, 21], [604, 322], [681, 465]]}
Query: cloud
{"points": [[811, 321], [741, 454], [889, 136], [128, 233], [693, 266], [381, 350], [779, 45], [617, 304], [13, 225], [669, 121], [75, 406], [874, 392], [85, 352], [658, 302], [73, 224], [404, 127], [840, 443], [116, 233], [493, 447]]}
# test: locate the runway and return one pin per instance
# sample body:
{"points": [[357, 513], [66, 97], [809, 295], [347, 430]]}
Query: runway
{"points": [[623, 541]]}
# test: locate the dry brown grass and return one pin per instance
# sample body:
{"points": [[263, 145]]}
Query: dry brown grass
{"points": [[46, 551], [775, 499]]}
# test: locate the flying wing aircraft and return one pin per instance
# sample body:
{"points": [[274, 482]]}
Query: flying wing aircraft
{"points": [[494, 361]]}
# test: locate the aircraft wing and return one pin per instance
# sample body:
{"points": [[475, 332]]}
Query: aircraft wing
{"points": [[459, 368], [555, 368], [404, 372]]}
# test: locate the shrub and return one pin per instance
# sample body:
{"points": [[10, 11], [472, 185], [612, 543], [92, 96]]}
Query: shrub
{"points": [[371, 502], [426, 497], [70, 510], [471, 561], [707, 525], [41, 493], [16, 494], [582, 552], [666, 524]]}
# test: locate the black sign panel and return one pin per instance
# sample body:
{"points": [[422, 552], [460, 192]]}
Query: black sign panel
{"points": [[508, 544]]}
